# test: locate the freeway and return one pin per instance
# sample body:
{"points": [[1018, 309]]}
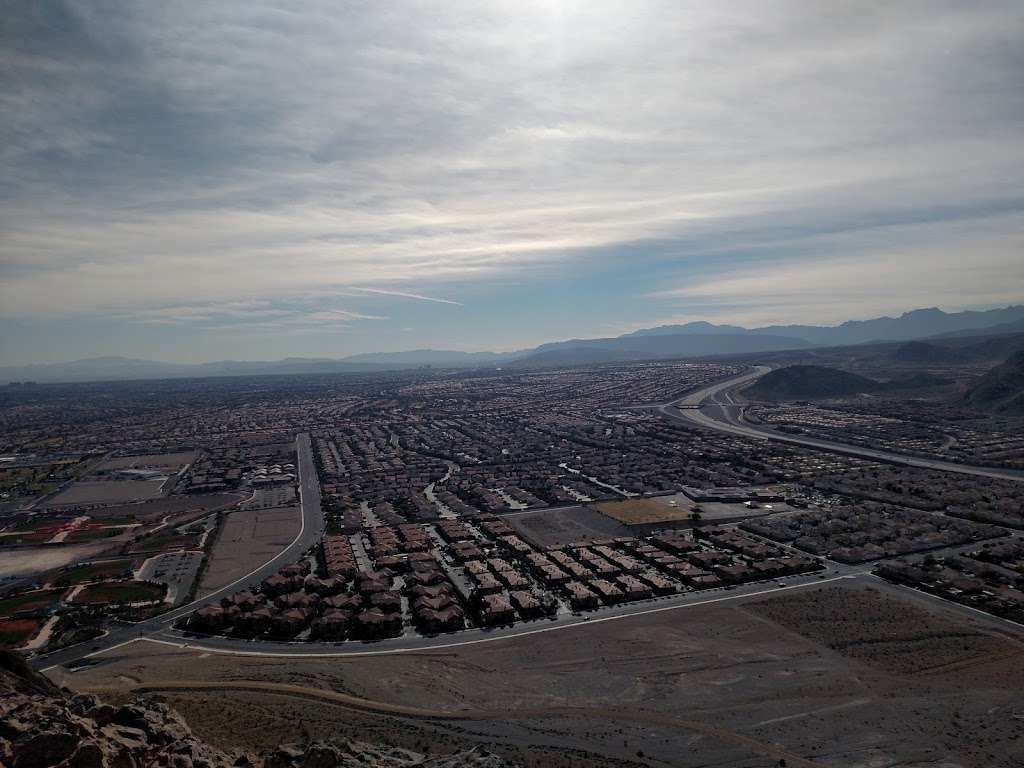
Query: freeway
{"points": [[715, 408], [310, 530]]}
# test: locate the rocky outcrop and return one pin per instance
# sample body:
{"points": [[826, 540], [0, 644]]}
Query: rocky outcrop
{"points": [[39, 731], [42, 726]]}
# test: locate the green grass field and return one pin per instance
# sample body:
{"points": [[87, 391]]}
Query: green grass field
{"points": [[30, 601], [95, 572], [120, 592]]}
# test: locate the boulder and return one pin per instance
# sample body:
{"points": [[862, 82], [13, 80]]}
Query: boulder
{"points": [[43, 748]]}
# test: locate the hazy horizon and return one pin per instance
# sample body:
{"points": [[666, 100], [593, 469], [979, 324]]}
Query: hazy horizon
{"points": [[486, 350], [241, 181]]}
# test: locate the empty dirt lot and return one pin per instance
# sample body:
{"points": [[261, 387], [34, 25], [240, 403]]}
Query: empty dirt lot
{"points": [[246, 540], [106, 492], [559, 527], [29, 561], [644, 511], [745, 683], [170, 461], [156, 509]]}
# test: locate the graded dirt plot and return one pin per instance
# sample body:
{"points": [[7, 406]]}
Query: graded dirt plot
{"points": [[712, 685], [164, 541], [169, 461], [248, 539], [157, 509], [646, 511], [892, 634], [106, 492], [270, 497], [37, 560], [723, 511], [547, 528]]}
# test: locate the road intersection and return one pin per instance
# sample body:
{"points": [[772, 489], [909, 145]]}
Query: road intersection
{"points": [[711, 407], [714, 408], [310, 530]]}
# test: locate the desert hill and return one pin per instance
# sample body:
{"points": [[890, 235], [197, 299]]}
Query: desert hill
{"points": [[927, 353], [1001, 389], [42, 725], [796, 382]]}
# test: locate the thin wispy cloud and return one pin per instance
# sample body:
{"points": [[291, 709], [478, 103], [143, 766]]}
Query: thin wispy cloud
{"points": [[247, 316], [405, 295]]}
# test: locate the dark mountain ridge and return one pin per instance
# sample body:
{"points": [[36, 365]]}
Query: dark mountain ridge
{"points": [[682, 344], [797, 382], [1001, 390]]}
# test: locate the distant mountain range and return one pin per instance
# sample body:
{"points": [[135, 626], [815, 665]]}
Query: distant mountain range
{"points": [[127, 368], [696, 339], [918, 324], [438, 357], [657, 345]]}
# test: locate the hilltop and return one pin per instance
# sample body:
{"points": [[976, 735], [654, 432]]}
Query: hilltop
{"points": [[1001, 389], [796, 382], [43, 725]]}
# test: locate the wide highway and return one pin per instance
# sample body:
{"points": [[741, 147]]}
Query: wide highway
{"points": [[714, 408], [310, 530]]}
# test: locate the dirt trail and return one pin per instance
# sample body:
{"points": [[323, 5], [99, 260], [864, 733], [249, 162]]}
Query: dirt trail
{"points": [[366, 705]]}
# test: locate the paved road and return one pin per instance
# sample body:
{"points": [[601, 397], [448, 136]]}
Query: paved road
{"points": [[310, 531], [836, 573], [406, 644], [717, 397], [713, 407]]}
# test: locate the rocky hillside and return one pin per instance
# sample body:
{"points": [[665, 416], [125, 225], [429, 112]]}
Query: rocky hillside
{"points": [[922, 352], [43, 726], [799, 382], [1001, 389]]}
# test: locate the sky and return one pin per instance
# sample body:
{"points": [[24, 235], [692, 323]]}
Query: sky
{"points": [[189, 181]]}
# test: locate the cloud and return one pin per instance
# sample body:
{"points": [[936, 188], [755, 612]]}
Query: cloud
{"points": [[405, 295], [249, 316], [890, 269], [189, 156]]}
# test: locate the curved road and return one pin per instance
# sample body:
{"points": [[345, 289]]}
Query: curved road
{"points": [[310, 530], [714, 408], [160, 629], [711, 407]]}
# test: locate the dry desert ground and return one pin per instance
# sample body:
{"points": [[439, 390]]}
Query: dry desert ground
{"points": [[861, 674]]}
